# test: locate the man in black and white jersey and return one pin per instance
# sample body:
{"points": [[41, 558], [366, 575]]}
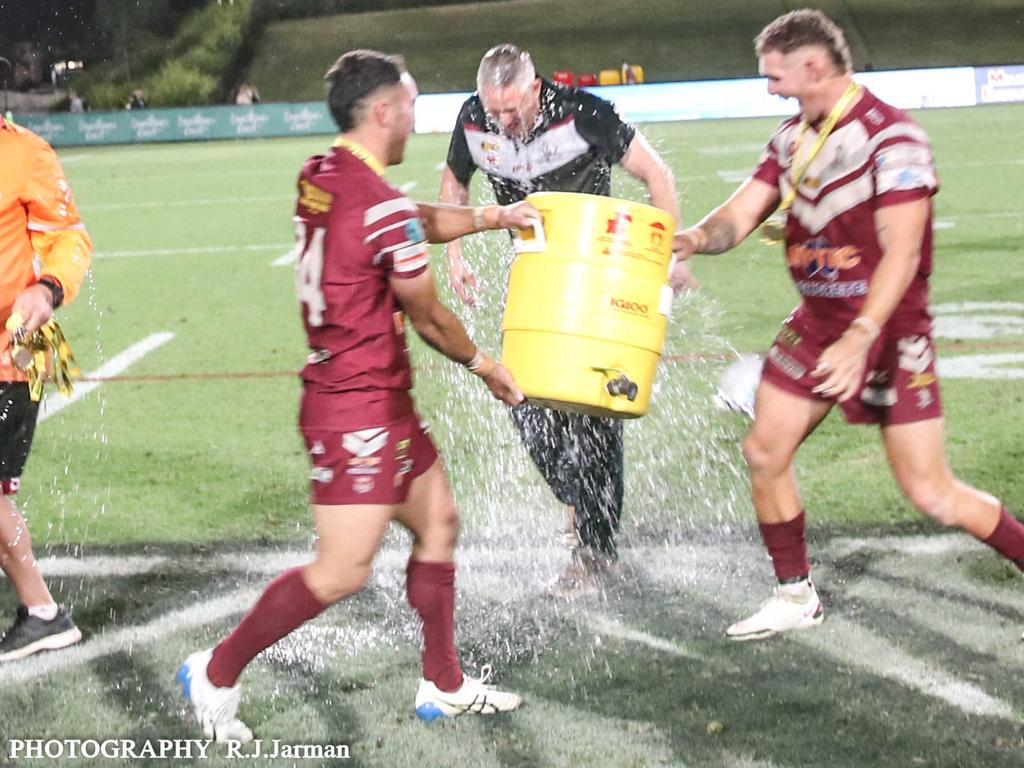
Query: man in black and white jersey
{"points": [[530, 135]]}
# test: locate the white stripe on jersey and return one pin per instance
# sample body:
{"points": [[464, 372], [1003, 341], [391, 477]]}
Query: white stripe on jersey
{"points": [[388, 207], [815, 215], [499, 155], [382, 230], [904, 165], [403, 244], [411, 258]]}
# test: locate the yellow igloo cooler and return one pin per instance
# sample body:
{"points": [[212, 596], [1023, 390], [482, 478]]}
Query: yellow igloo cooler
{"points": [[588, 301]]}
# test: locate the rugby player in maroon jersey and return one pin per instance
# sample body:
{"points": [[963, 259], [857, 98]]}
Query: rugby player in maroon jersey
{"points": [[855, 177], [363, 266]]}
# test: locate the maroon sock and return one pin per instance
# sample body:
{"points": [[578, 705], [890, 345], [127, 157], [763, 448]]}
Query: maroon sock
{"points": [[285, 604], [1008, 538], [788, 548], [431, 591]]}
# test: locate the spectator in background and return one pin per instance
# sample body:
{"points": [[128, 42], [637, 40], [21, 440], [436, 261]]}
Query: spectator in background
{"points": [[75, 104], [137, 100], [247, 95]]}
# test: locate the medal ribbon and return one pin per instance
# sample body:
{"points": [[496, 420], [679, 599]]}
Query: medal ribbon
{"points": [[797, 174], [32, 353]]}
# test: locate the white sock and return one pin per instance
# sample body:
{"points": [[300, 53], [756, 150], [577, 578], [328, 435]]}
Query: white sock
{"points": [[45, 612]]}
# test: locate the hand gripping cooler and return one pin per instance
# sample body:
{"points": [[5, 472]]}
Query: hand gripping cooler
{"points": [[588, 301]]}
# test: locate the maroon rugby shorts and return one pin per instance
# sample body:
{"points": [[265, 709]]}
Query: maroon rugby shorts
{"points": [[899, 387], [371, 463]]}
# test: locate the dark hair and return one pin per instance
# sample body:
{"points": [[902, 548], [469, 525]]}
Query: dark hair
{"points": [[355, 76], [805, 27]]}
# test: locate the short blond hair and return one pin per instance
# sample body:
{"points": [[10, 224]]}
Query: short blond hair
{"points": [[805, 27]]}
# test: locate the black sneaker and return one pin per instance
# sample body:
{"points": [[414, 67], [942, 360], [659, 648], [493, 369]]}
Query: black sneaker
{"points": [[30, 634]]}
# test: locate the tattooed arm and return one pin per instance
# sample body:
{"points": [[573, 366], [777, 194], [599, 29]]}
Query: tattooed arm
{"points": [[726, 226]]}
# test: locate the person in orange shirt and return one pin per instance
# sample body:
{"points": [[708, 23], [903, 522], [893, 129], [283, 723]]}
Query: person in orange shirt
{"points": [[44, 254]]}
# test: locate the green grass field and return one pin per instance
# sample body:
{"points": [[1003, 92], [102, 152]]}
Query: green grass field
{"points": [[693, 40], [163, 500]]}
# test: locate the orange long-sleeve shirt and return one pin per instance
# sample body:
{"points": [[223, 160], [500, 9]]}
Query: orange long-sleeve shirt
{"points": [[41, 232]]}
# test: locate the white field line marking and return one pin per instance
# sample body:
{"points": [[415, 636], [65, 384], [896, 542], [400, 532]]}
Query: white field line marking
{"points": [[606, 625], [852, 644], [193, 203], [953, 543], [190, 617], [943, 224], [975, 626], [731, 149], [185, 251], [986, 215], [440, 166], [733, 177], [127, 565], [978, 306], [407, 187], [54, 403], [859, 647]]}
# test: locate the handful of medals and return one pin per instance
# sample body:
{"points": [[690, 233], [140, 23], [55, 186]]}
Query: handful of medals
{"points": [[43, 353]]}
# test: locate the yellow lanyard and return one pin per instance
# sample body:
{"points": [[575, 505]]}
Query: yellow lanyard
{"points": [[797, 174], [361, 152]]}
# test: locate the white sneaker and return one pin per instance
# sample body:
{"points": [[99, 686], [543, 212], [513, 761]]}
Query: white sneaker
{"points": [[474, 695], [792, 606], [215, 706]]}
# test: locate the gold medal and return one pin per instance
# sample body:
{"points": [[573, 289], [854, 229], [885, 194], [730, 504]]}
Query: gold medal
{"points": [[773, 231]]}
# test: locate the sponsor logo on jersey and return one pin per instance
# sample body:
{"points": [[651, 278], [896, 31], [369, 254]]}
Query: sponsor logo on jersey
{"points": [[313, 198], [788, 337], [414, 230], [787, 364], [402, 460], [365, 442], [818, 258]]}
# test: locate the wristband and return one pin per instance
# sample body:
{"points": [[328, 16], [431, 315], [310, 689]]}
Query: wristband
{"points": [[480, 217], [56, 290], [869, 325], [482, 364]]}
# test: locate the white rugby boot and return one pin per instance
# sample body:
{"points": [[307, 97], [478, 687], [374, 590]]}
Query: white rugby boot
{"points": [[215, 707], [475, 696], [791, 606]]}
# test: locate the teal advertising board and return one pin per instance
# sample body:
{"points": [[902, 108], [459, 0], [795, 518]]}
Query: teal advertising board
{"points": [[196, 124]]}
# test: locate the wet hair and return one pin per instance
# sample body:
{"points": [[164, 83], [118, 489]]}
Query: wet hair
{"points": [[805, 27], [503, 66], [356, 75]]}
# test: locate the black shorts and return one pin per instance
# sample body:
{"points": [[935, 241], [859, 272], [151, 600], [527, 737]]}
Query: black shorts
{"points": [[17, 425]]}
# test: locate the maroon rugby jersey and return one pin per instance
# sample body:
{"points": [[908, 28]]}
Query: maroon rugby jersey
{"points": [[876, 156], [354, 232]]}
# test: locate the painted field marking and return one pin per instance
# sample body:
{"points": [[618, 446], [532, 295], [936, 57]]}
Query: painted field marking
{"points": [[602, 624], [187, 251], [190, 617], [857, 646], [733, 177], [192, 203], [732, 149], [54, 403]]}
